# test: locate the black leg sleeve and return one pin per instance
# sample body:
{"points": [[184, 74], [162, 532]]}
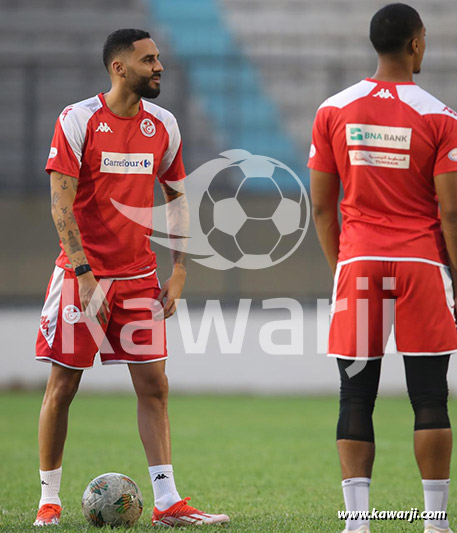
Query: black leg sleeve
{"points": [[426, 378], [357, 399]]}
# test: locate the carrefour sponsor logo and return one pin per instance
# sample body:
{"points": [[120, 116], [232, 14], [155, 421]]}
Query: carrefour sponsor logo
{"points": [[117, 163], [383, 136], [379, 159]]}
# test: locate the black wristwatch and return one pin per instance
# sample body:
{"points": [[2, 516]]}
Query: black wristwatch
{"points": [[82, 269]]}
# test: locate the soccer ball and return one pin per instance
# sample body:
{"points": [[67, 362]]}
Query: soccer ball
{"points": [[258, 212], [112, 499]]}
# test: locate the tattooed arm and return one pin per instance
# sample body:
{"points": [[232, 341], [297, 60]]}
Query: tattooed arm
{"points": [[178, 225], [63, 193]]}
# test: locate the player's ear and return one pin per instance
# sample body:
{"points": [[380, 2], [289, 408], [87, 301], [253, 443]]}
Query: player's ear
{"points": [[411, 47], [118, 68]]}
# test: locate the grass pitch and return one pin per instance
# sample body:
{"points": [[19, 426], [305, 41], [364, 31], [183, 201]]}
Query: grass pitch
{"points": [[268, 462]]}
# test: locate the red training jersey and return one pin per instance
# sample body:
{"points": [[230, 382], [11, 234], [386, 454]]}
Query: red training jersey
{"points": [[115, 159], [387, 141]]}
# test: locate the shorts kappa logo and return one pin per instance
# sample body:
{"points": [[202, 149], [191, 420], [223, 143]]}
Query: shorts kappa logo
{"points": [[384, 93], [104, 128], [45, 325]]}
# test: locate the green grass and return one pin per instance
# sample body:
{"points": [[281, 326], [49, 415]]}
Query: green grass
{"points": [[270, 463]]}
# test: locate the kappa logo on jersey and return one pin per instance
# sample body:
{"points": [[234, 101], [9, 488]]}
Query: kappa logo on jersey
{"points": [[116, 163], [66, 111], [447, 109], [383, 136], [379, 159], [384, 93], [147, 127], [104, 128]]}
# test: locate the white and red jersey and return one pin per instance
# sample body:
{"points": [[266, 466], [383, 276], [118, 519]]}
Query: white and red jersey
{"points": [[115, 159], [387, 141]]}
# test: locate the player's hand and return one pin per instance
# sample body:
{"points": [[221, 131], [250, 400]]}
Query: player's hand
{"points": [[171, 292], [92, 298]]}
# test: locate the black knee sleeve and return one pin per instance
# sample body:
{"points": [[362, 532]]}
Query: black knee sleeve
{"points": [[357, 399], [428, 391]]}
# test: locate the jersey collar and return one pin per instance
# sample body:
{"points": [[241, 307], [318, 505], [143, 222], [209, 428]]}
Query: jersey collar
{"points": [[103, 101]]}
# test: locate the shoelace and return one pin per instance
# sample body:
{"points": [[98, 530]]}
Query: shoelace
{"points": [[184, 508]]}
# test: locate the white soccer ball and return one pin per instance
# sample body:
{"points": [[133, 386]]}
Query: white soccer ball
{"points": [[112, 499]]}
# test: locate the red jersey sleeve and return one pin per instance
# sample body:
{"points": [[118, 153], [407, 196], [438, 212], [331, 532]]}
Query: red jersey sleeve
{"points": [[446, 152], [171, 167], [67, 144], [321, 155]]}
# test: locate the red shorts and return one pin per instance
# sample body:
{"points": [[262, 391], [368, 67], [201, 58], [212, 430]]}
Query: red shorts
{"points": [[370, 296], [69, 338]]}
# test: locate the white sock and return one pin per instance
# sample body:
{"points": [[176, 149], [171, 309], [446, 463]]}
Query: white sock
{"points": [[436, 492], [163, 485], [356, 492], [50, 486]]}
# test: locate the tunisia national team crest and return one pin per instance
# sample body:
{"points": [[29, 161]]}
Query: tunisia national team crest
{"points": [[71, 314], [147, 127]]}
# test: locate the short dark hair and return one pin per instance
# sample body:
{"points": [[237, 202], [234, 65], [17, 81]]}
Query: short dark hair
{"points": [[121, 40], [393, 26]]}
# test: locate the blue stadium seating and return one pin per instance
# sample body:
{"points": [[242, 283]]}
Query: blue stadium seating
{"points": [[227, 84]]}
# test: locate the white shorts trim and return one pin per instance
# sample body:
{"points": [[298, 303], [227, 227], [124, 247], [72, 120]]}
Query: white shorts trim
{"points": [[51, 305], [335, 290], [400, 259], [448, 289], [418, 354], [122, 361], [51, 360], [135, 277], [354, 357]]}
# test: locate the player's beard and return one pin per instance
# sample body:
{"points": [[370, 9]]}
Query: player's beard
{"points": [[141, 86]]}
